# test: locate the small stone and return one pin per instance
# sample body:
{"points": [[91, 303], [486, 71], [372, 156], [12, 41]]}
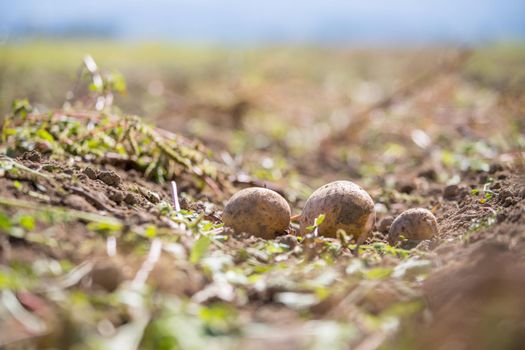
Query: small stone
{"points": [[91, 173], [522, 193], [109, 177], [450, 192], [131, 199]]}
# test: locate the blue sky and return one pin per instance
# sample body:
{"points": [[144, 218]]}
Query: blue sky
{"points": [[238, 21]]}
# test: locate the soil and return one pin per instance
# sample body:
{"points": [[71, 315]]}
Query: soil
{"points": [[484, 268], [471, 296]]}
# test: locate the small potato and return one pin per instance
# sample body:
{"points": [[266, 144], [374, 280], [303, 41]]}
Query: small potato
{"points": [[346, 206], [107, 274], [259, 211], [414, 224]]}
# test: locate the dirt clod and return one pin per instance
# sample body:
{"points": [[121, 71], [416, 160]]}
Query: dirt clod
{"points": [[450, 192], [495, 167], [77, 202], [508, 202], [504, 194], [131, 199], [33, 156], [110, 178], [91, 173], [116, 196], [429, 174], [406, 186]]}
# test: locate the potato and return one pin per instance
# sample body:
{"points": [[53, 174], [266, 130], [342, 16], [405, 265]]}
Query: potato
{"points": [[346, 206], [107, 274], [259, 211], [414, 224]]}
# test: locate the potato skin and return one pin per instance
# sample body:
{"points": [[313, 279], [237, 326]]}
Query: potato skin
{"points": [[414, 224], [259, 211], [346, 206]]}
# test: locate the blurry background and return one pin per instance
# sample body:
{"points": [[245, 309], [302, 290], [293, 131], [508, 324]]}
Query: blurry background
{"points": [[269, 82], [271, 21]]}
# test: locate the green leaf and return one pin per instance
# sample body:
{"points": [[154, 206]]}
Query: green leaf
{"points": [[9, 131], [21, 107], [207, 226], [199, 250], [104, 227], [118, 83], [5, 223], [43, 134], [378, 273], [151, 231], [319, 220], [219, 318], [27, 222]]}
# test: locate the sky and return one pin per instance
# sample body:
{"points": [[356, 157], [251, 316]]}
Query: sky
{"points": [[269, 21]]}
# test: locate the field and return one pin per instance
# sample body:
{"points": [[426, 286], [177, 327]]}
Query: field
{"points": [[96, 254]]}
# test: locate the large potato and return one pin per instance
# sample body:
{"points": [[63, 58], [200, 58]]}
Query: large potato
{"points": [[414, 224], [346, 206], [258, 211]]}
